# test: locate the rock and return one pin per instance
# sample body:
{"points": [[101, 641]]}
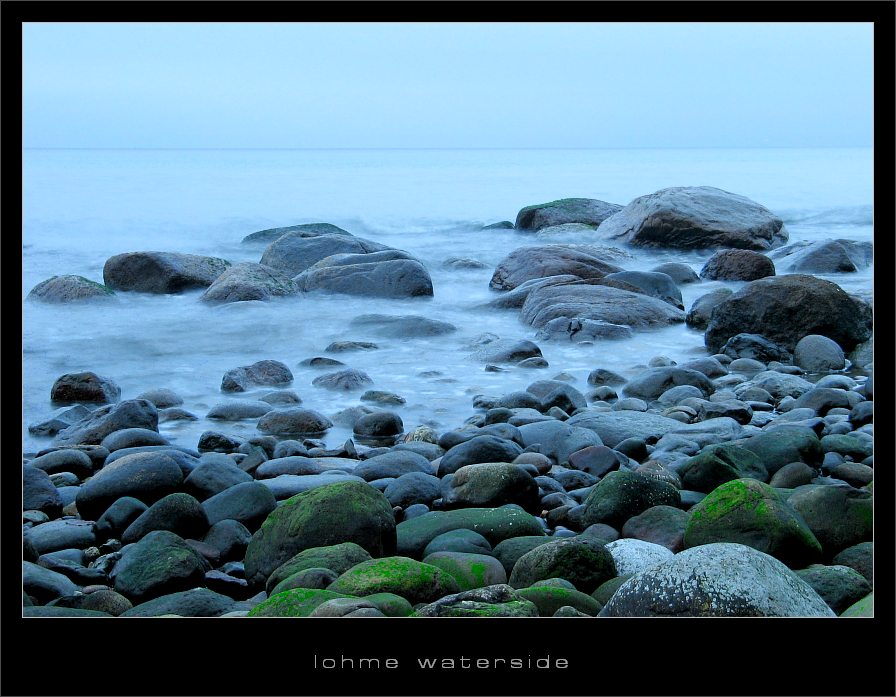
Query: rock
{"points": [[379, 424], [495, 524], [460, 540], [488, 485], [38, 492], [786, 308], [653, 283], [294, 464], [494, 350], [336, 558], [653, 382], [65, 533], [755, 347], [341, 512], [662, 525], [783, 446], [145, 476], [568, 210], [492, 601], [70, 288], [718, 464], [117, 517], [838, 516], [515, 298], [159, 564], [863, 608], [582, 331], [511, 549], [737, 265], [176, 414], [238, 409], [249, 281], [462, 264], [583, 562], [178, 513], [717, 580], [781, 385], [746, 511], [295, 421], [62, 418], [558, 440], [695, 218], [824, 256], [402, 326], [478, 449], [343, 346], [633, 556], [229, 538], [292, 253], [303, 230], [211, 478], [383, 397], [346, 607], [104, 600], [394, 463], [615, 427], [624, 494], [386, 274], [161, 272], [286, 486], [348, 379], [315, 577], [469, 570], [702, 309], [415, 581], [792, 475], [863, 354], [248, 503], [838, 586], [162, 398], [527, 263], [679, 272], [44, 585], [196, 602], [596, 460], [132, 438], [586, 301], [859, 557], [298, 602], [265, 372], [818, 354], [73, 388]]}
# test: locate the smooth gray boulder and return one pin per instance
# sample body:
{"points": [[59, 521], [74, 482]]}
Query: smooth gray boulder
{"points": [[161, 272], [717, 580], [527, 263], [402, 326], [249, 281], [385, 274], [587, 211], [613, 427], [633, 556], [817, 354], [304, 230], [581, 331], [69, 288], [558, 439], [295, 421], [652, 283], [701, 311], [131, 413], [695, 217], [266, 372], [293, 252], [653, 382], [824, 256]]}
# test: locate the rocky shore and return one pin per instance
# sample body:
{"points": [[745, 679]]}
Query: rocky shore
{"points": [[736, 484]]}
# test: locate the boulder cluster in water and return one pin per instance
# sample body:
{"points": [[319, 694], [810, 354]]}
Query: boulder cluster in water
{"points": [[735, 484]]}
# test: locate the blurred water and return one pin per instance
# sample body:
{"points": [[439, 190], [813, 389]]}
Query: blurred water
{"points": [[81, 207]]}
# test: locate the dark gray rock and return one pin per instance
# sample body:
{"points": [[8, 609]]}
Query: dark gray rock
{"points": [[43, 584], [132, 438], [786, 308], [73, 388], [615, 427], [824, 256], [755, 347], [486, 448], [118, 516], [394, 463], [386, 274], [286, 486], [624, 494], [65, 533], [462, 540], [652, 283], [292, 253], [557, 439], [248, 503], [162, 398], [818, 354], [662, 525], [859, 557], [304, 230], [62, 418], [267, 372], [161, 272], [582, 331], [567, 210], [347, 380], [839, 516], [717, 464], [229, 538], [402, 326], [70, 460], [587, 301], [290, 464], [653, 382], [238, 409], [379, 424], [69, 288], [515, 298], [488, 485], [737, 265], [178, 513], [583, 562], [695, 218], [39, 493], [249, 281], [679, 272], [462, 264], [159, 564], [495, 350], [196, 602], [702, 309], [295, 421], [413, 488], [838, 586], [527, 263]]}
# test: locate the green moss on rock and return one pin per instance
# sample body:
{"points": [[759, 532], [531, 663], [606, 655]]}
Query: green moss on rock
{"points": [[408, 578], [549, 599], [298, 602]]}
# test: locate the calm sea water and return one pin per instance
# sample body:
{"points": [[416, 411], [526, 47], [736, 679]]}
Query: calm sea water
{"points": [[82, 206]]}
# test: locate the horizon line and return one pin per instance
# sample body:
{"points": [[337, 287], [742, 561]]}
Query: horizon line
{"points": [[673, 147]]}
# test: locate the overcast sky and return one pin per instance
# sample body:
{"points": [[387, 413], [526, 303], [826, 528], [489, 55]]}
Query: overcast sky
{"points": [[506, 85]]}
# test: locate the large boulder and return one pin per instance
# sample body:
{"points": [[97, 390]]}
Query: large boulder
{"points": [[651, 383], [748, 512], [824, 256], [695, 217], [386, 274], [701, 311], [413, 580], [585, 300], [737, 265], [717, 464], [527, 263], [90, 430], [266, 372], [490, 484], [838, 516], [557, 439], [178, 513], [294, 252], [249, 281], [652, 283], [717, 580], [337, 558], [587, 211], [348, 511], [158, 564], [161, 272], [70, 288], [582, 561], [38, 492], [818, 354], [304, 230], [624, 494], [248, 503], [295, 421], [146, 477], [613, 427], [786, 308]]}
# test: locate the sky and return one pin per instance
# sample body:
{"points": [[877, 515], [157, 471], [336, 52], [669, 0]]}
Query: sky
{"points": [[447, 85]]}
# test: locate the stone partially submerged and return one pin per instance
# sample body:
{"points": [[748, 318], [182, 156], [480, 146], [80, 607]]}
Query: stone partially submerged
{"points": [[587, 211], [695, 217], [527, 263], [70, 288], [294, 252], [390, 273], [161, 272], [304, 230], [824, 256], [249, 281]]}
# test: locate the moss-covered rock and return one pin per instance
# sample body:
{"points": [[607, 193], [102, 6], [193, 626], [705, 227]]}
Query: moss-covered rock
{"points": [[509, 551], [491, 484], [748, 512], [160, 563], [605, 590], [492, 601], [583, 562], [408, 578], [783, 446], [549, 599], [339, 558], [390, 605], [624, 494], [298, 602], [315, 577], [460, 540], [469, 570], [341, 512], [838, 516], [495, 524], [717, 464], [863, 608]]}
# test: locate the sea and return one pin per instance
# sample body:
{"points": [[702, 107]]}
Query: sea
{"points": [[81, 207]]}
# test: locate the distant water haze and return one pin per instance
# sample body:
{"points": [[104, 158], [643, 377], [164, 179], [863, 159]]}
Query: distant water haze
{"points": [[82, 207]]}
